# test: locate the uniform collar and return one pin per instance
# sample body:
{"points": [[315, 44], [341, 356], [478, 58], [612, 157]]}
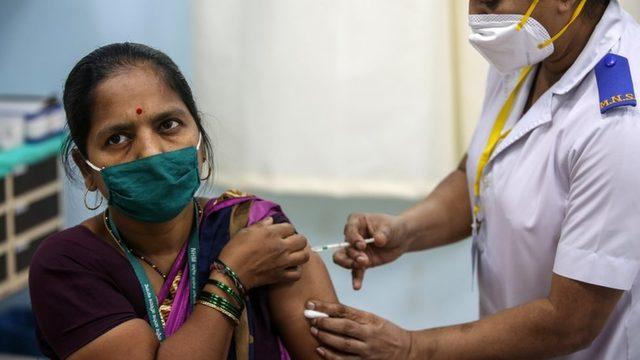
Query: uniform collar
{"points": [[605, 36]]}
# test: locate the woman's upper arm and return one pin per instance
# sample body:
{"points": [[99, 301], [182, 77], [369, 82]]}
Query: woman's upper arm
{"points": [[287, 304], [132, 339]]}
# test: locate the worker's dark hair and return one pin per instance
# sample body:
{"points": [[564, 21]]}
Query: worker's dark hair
{"points": [[100, 64]]}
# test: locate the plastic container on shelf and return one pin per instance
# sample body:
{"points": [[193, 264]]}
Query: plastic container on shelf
{"points": [[30, 120], [45, 123], [36, 126], [11, 130], [57, 119]]}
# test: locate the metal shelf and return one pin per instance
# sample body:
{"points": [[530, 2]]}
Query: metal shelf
{"points": [[33, 218]]}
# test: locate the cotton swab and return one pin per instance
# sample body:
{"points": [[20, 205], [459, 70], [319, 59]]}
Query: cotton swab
{"points": [[312, 314], [337, 246]]}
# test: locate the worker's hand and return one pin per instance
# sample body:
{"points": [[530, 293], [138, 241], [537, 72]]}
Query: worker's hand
{"points": [[266, 253], [390, 244], [349, 333]]}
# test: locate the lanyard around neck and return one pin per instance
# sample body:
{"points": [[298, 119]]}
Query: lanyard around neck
{"points": [[150, 298], [574, 16], [496, 135]]}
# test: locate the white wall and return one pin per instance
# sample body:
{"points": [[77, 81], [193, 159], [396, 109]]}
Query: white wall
{"points": [[632, 6], [330, 97], [471, 70]]}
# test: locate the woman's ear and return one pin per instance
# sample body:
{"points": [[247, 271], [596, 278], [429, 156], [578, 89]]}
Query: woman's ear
{"points": [[87, 173], [204, 154], [567, 6], [206, 163]]}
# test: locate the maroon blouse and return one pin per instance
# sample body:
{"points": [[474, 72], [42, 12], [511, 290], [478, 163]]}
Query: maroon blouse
{"points": [[94, 291], [82, 287]]}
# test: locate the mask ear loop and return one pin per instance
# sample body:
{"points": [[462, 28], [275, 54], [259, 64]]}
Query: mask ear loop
{"points": [[527, 15], [209, 164], [86, 161], [93, 166], [575, 15]]}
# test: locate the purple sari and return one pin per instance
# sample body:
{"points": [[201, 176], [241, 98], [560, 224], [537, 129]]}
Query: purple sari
{"points": [[222, 218]]}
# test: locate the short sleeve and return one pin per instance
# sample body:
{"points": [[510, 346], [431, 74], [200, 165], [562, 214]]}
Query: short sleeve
{"points": [[74, 301], [600, 238]]}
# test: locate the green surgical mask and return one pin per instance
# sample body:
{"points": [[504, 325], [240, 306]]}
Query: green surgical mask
{"points": [[155, 188]]}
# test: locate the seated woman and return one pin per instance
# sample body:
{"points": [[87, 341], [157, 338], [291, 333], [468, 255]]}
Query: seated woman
{"points": [[160, 274]]}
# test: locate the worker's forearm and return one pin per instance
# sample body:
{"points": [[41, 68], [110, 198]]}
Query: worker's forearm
{"points": [[205, 335], [530, 331], [443, 217]]}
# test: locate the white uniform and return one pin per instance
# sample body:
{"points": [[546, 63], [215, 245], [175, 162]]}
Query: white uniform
{"points": [[561, 193]]}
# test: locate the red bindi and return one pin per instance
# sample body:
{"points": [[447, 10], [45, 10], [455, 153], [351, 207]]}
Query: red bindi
{"points": [[138, 111]]}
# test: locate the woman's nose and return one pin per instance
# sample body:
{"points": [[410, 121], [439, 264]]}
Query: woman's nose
{"points": [[147, 145]]}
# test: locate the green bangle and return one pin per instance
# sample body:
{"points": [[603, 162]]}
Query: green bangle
{"points": [[223, 307], [220, 301], [227, 289], [224, 312], [222, 268]]}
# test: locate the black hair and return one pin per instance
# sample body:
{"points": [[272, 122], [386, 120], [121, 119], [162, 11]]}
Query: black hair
{"points": [[100, 64]]}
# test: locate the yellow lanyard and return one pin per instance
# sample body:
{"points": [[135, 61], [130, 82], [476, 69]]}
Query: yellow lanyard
{"points": [[532, 7], [497, 135], [498, 126]]}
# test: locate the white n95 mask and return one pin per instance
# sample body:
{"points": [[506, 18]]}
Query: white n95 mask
{"points": [[498, 39], [511, 42]]}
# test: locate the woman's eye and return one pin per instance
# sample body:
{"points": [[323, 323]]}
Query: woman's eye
{"points": [[169, 124], [117, 139]]}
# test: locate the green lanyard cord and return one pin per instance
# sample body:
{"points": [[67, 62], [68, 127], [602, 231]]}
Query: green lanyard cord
{"points": [[151, 300]]}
